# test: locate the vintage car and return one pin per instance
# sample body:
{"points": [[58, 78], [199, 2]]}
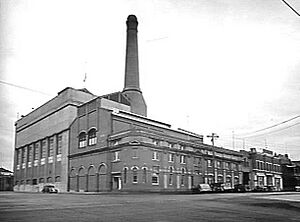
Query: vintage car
{"points": [[49, 189], [202, 188]]}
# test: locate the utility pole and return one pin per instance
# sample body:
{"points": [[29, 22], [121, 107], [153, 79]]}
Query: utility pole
{"points": [[213, 136]]}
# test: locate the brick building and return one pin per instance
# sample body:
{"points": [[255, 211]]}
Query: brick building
{"points": [[262, 169], [81, 142], [6, 180], [291, 175]]}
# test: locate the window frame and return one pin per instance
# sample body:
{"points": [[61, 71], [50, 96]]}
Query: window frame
{"points": [[82, 140], [92, 137]]}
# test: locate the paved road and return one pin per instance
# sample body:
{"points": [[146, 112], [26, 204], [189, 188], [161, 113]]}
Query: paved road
{"points": [[150, 207]]}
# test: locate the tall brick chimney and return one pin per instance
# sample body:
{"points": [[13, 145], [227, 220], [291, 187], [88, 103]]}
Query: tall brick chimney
{"points": [[132, 83]]}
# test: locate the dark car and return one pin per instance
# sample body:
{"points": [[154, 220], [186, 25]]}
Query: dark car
{"points": [[270, 188], [240, 188], [217, 187], [202, 188], [259, 189], [49, 189]]}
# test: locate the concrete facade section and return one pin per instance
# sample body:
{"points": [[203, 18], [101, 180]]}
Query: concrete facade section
{"points": [[42, 142]]}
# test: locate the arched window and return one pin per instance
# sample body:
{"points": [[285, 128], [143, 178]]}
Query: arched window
{"points": [[171, 175], [125, 175], [92, 136], [134, 175], [144, 175], [182, 176], [82, 140]]}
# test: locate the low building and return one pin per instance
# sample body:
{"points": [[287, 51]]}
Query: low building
{"points": [[6, 180], [291, 175], [262, 170]]}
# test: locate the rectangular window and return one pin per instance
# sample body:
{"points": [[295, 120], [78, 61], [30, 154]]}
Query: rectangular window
{"points": [[155, 180], [226, 165], [155, 155], [23, 156], [43, 149], [36, 151], [171, 179], [18, 158], [209, 163], [29, 153], [236, 167], [182, 180], [182, 159], [59, 144], [218, 164], [50, 146], [260, 181], [171, 157], [116, 155]]}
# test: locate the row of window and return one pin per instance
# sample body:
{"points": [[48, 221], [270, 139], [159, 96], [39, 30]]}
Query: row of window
{"points": [[268, 166], [262, 181], [36, 181], [89, 138], [154, 176], [203, 151], [40, 149], [183, 160]]}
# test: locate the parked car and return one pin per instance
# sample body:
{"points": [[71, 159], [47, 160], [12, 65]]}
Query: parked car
{"points": [[227, 187], [49, 189], [297, 188], [259, 189], [202, 188], [217, 187], [270, 188], [239, 188]]}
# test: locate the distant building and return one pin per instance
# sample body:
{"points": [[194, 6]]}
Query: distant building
{"points": [[6, 180], [291, 175], [81, 142], [262, 170]]}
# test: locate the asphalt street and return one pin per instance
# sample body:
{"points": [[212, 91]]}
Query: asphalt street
{"points": [[150, 207]]}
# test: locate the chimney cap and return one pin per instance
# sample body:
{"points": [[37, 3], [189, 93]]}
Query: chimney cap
{"points": [[131, 18]]}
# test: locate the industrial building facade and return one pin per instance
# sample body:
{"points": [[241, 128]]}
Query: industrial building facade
{"points": [[120, 150], [85, 143]]}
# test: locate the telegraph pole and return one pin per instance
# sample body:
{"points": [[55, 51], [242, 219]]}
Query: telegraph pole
{"points": [[213, 136]]}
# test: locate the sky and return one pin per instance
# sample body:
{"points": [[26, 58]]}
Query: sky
{"points": [[228, 67]]}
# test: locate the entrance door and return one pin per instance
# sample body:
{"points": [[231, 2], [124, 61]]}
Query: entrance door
{"points": [[117, 183]]}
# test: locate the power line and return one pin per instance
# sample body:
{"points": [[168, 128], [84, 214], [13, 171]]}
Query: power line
{"points": [[275, 131], [291, 7], [269, 127], [22, 87]]}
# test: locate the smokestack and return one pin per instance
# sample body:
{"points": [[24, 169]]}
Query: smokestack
{"points": [[132, 83]]}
